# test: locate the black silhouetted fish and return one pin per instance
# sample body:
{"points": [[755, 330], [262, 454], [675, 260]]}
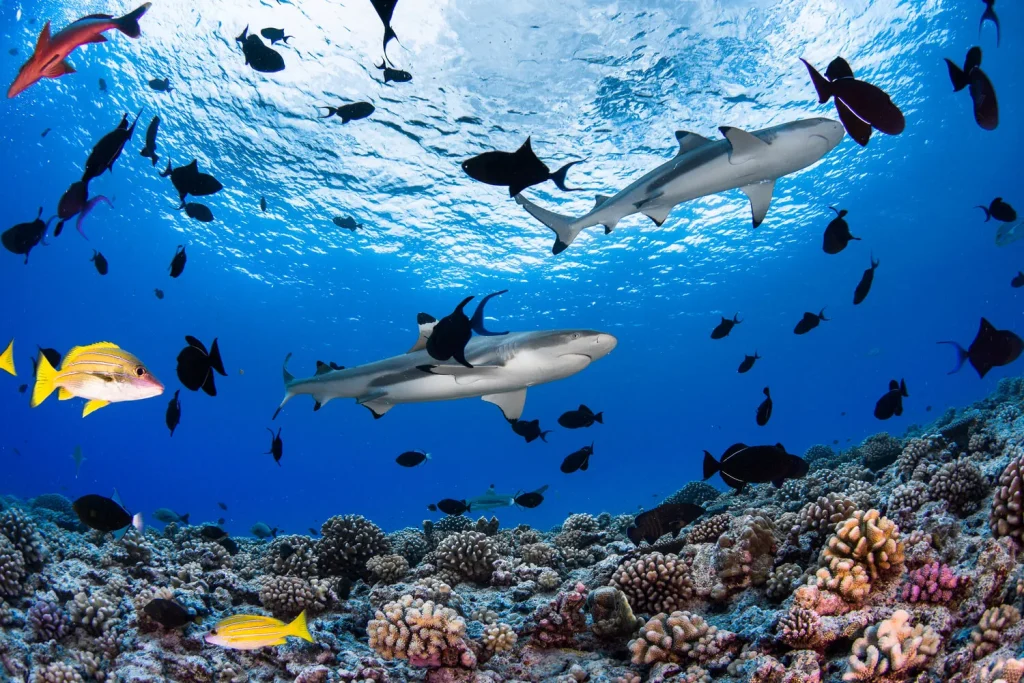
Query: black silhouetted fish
{"points": [[100, 261], [103, 85], [167, 613], [450, 506], [723, 328], [861, 106], [159, 293], [349, 112], [385, 10], [809, 322], [892, 402], [396, 75], [837, 234], [450, 335], [990, 15], [196, 366], [991, 348], [101, 513], [742, 465], [228, 545], [532, 499], [212, 533], [149, 151], [748, 363], [22, 389], [276, 444], [864, 286], [412, 458], [198, 211], [668, 518], [178, 262], [258, 56], [346, 223], [580, 460], [45, 133], [275, 35], [529, 430], [71, 203], [173, 416], [764, 411], [188, 180], [580, 418], [23, 237], [999, 210], [1017, 281], [983, 95], [108, 149], [52, 356], [263, 204], [516, 170], [160, 84], [222, 506]]}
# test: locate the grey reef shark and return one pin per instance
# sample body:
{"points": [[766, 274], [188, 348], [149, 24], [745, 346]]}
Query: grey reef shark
{"points": [[751, 162], [503, 368]]}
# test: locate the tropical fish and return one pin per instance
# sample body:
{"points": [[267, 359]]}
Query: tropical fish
{"points": [[578, 461], [263, 204], [991, 348], [741, 465], [892, 402], [77, 456], [160, 84], [864, 286], [990, 15], [532, 499], [159, 293], [396, 75], [178, 262], [861, 106], [809, 322], [529, 430], [837, 234], [349, 112], [451, 333], [212, 533], [385, 10], [189, 180], [748, 363], [723, 328], [102, 373], [261, 530], [169, 516], [23, 237], [346, 223], [168, 613], [580, 418], [222, 506], [999, 210], [48, 58], [668, 518], [1018, 280], [101, 513], [764, 411], [983, 95], [252, 631], [412, 458], [100, 262], [276, 446], [149, 150], [450, 506], [258, 55], [71, 204], [108, 149], [516, 170], [7, 360], [172, 418], [196, 366], [102, 85], [275, 35], [198, 211]]}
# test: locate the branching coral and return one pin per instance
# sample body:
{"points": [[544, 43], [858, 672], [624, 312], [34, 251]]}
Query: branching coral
{"points": [[1007, 515], [22, 532], [933, 582], [914, 453], [287, 596], [388, 568], [782, 580], [12, 569], [346, 543], [557, 623], [960, 484], [987, 636], [48, 621], [611, 613], [499, 637], [905, 499], [56, 672], [96, 612], [709, 530], [800, 628], [654, 582], [880, 450], [421, 632], [681, 637], [696, 492], [292, 556], [821, 516], [548, 580], [468, 554], [891, 646], [1002, 671], [863, 548], [540, 554]]}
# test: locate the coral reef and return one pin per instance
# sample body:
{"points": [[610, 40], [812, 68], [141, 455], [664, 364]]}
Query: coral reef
{"points": [[960, 484], [987, 636], [709, 530], [422, 632], [347, 543], [933, 582], [388, 568], [467, 555], [681, 637], [890, 647], [1007, 515], [654, 583]]}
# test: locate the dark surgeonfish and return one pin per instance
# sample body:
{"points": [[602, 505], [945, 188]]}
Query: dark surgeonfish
{"points": [[276, 444], [149, 151], [412, 458], [986, 109], [167, 613], [668, 518], [742, 465], [71, 203], [837, 234], [396, 75], [450, 506], [990, 15], [861, 106], [222, 506], [159, 293], [1018, 281], [23, 237], [529, 430], [532, 499], [346, 223], [385, 10], [892, 402], [580, 418], [172, 418], [275, 35], [188, 180], [101, 513], [748, 363], [517, 170], [263, 204], [198, 211], [999, 210], [864, 286], [160, 84], [764, 411], [52, 356], [349, 112], [723, 328], [177, 263], [809, 322], [212, 533], [450, 335], [108, 149], [196, 366], [259, 56], [100, 261], [991, 348], [578, 461]]}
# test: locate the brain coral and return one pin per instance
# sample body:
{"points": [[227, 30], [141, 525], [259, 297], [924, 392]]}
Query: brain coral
{"points": [[12, 569], [468, 554], [654, 582], [346, 543], [987, 636], [960, 484], [22, 532], [681, 637], [1005, 518], [388, 568], [890, 647], [421, 632]]}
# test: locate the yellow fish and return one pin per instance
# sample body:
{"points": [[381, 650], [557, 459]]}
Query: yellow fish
{"points": [[252, 631], [101, 373], [7, 359]]}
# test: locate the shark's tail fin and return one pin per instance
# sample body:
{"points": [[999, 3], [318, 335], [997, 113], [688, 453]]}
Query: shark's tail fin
{"points": [[129, 23], [288, 379], [565, 230]]}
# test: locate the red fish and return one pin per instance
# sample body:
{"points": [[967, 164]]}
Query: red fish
{"points": [[48, 59]]}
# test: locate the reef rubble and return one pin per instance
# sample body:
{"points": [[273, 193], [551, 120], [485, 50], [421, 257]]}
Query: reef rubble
{"points": [[896, 560]]}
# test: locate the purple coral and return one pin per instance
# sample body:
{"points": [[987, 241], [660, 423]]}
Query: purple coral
{"points": [[557, 623], [933, 582]]}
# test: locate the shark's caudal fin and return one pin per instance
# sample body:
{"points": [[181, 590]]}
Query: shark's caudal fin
{"points": [[129, 23], [288, 379], [563, 226], [478, 317]]}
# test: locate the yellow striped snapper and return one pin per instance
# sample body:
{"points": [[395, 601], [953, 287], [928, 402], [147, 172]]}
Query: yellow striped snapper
{"points": [[253, 631], [102, 373]]}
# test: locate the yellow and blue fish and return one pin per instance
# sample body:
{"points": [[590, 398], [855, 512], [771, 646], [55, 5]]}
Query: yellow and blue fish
{"points": [[7, 359], [253, 631]]}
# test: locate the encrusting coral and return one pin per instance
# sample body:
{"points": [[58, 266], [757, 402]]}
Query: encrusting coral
{"points": [[419, 631], [890, 647], [346, 543], [987, 636], [468, 555], [1007, 515], [681, 637], [654, 582]]}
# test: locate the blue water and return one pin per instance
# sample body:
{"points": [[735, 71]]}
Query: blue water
{"points": [[608, 82]]}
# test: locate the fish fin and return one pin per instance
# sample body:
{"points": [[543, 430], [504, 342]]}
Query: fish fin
{"points": [[377, 404], [510, 402], [733, 482], [777, 483], [129, 23], [192, 341], [215, 362], [821, 84], [58, 69], [957, 77], [184, 517], [710, 465], [208, 384], [45, 377], [760, 195], [44, 38], [526, 149], [478, 317], [563, 227], [299, 629], [893, 385], [689, 141], [744, 146], [838, 68], [7, 360], [64, 395], [77, 351], [92, 406], [903, 388], [961, 356], [558, 177], [426, 323], [599, 417], [859, 129], [780, 447], [600, 199], [988, 214], [658, 214], [898, 410]]}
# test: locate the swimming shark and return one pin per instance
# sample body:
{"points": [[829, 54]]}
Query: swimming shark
{"points": [[751, 162], [503, 368], [491, 500]]}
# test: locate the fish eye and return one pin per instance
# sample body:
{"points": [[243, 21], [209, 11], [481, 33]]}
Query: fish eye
{"points": [[575, 335], [140, 371]]}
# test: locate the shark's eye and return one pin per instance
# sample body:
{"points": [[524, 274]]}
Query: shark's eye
{"points": [[575, 335]]}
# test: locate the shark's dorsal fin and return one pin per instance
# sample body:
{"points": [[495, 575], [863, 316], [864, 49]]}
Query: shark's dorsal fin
{"points": [[744, 145], [510, 402], [426, 324], [689, 141], [44, 38], [658, 214], [760, 195], [600, 199]]}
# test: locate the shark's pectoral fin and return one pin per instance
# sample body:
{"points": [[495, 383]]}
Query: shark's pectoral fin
{"points": [[658, 214], [58, 69], [510, 402], [744, 145], [609, 226], [426, 324], [376, 404], [689, 141], [760, 195]]}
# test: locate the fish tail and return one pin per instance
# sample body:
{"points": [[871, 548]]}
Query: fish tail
{"points": [[599, 418], [478, 317], [331, 111], [215, 362], [299, 629], [711, 466], [565, 227], [961, 356], [957, 76], [988, 214], [184, 517], [129, 23], [154, 157], [821, 84], [558, 177], [46, 377], [288, 379], [544, 436], [7, 360], [167, 171]]}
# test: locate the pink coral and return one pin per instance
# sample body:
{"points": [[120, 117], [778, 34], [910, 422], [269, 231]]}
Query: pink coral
{"points": [[556, 624], [933, 582]]}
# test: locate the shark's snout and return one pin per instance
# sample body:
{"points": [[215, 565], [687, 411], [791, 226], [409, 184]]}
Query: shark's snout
{"points": [[601, 345]]}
